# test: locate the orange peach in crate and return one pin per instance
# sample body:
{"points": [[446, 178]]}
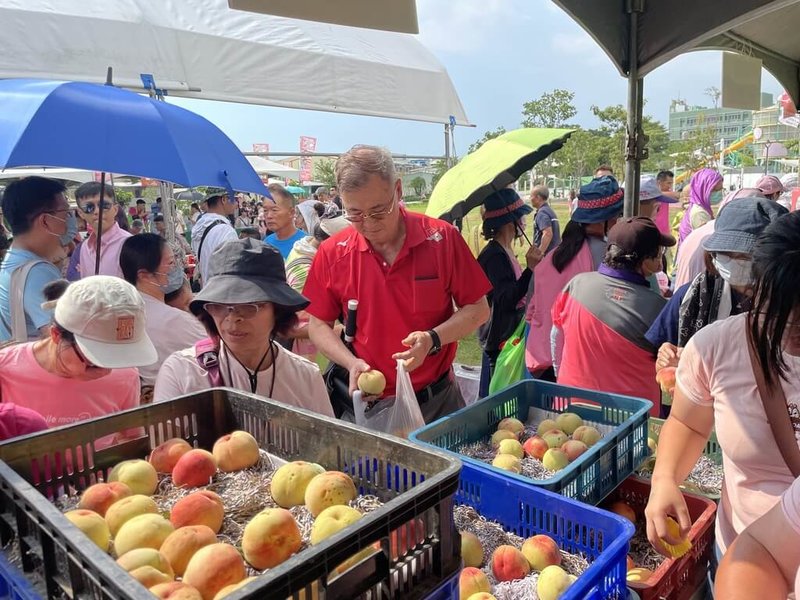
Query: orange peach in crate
{"points": [[164, 456], [181, 544], [100, 496], [198, 508]]}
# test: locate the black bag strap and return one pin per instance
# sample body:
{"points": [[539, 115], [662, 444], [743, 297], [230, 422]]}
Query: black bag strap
{"points": [[773, 398], [203, 238]]}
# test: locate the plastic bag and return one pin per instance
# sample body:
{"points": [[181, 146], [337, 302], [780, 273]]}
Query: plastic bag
{"points": [[510, 367], [398, 415]]}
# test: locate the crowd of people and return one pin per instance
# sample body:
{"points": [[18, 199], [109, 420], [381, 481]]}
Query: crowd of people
{"points": [[609, 302]]}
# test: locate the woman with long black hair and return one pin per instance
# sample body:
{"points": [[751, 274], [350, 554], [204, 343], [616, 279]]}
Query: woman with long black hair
{"points": [[718, 387]]}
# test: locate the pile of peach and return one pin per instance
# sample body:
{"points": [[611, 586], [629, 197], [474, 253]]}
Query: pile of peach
{"points": [[556, 443], [178, 555]]}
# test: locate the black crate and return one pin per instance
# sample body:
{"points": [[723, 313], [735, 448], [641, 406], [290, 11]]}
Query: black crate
{"points": [[416, 484]]}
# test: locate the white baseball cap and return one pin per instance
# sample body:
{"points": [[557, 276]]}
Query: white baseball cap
{"points": [[107, 317]]}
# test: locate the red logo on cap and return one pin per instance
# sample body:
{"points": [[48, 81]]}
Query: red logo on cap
{"points": [[124, 329]]}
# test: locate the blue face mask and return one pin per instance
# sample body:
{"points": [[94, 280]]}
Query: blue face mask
{"points": [[716, 197], [71, 231], [175, 279]]}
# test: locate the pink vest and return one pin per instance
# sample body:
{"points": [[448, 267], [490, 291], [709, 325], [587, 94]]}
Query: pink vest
{"points": [[547, 285]]}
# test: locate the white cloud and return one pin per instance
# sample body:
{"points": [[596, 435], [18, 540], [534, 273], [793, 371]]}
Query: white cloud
{"points": [[578, 44], [462, 26]]}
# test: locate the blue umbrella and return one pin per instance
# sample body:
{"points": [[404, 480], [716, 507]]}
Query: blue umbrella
{"points": [[103, 128]]}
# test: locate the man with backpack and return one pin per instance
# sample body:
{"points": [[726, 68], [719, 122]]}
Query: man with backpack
{"points": [[43, 225], [212, 230]]}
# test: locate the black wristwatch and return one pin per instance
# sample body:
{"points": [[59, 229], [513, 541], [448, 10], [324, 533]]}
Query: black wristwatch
{"points": [[437, 343]]}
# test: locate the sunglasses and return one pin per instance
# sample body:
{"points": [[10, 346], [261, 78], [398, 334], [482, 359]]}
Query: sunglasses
{"points": [[90, 207], [241, 311]]}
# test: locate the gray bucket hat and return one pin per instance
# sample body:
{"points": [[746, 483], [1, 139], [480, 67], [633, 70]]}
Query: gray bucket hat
{"points": [[245, 271], [739, 224]]}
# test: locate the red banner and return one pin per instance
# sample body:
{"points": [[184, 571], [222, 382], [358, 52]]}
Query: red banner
{"points": [[307, 144], [261, 148]]}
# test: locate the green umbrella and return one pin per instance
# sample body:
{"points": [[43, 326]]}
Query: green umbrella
{"points": [[493, 166]]}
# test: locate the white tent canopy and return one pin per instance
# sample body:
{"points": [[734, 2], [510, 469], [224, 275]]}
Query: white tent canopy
{"points": [[204, 49], [264, 166]]}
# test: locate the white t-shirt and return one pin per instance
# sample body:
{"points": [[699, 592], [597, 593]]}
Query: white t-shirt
{"points": [[714, 370], [216, 237], [170, 329], [298, 381]]}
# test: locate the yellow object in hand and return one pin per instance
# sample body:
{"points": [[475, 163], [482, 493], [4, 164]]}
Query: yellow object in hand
{"points": [[676, 551]]}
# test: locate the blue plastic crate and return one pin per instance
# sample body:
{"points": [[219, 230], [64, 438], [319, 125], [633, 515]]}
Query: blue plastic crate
{"points": [[13, 585], [447, 591], [593, 475], [602, 537]]}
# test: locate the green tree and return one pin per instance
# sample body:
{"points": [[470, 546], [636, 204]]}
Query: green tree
{"points": [[439, 169], [613, 121], [324, 172], [489, 135], [552, 109], [419, 185], [580, 156]]}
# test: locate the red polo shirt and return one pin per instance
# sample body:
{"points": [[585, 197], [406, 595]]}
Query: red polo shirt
{"points": [[433, 271]]}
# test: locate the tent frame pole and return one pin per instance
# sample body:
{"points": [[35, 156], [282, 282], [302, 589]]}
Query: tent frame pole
{"points": [[636, 142]]}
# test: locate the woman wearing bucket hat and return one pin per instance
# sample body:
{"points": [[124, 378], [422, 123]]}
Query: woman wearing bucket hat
{"points": [[244, 305], [739, 376], [503, 222], [83, 369], [581, 250], [706, 189], [600, 319]]}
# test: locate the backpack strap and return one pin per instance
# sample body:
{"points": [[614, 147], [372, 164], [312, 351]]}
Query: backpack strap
{"points": [[773, 398], [19, 327], [200, 246], [206, 353]]}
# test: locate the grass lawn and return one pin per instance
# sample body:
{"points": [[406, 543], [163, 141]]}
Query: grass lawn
{"points": [[469, 352]]}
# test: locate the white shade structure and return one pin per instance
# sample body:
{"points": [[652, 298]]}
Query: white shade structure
{"points": [[264, 166]]}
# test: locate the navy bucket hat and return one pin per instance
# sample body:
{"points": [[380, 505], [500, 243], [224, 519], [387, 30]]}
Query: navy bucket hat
{"points": [[599, 200], [504, 206], [739, 224]]}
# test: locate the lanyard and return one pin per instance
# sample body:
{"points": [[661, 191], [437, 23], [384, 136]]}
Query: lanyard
{"points": [[253, 375]]}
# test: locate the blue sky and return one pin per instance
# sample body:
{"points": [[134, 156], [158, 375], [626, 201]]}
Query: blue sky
{"points": [[499, 54]]}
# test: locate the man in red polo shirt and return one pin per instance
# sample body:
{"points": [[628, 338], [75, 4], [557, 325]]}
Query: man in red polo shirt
{"points": [[419, 288]]}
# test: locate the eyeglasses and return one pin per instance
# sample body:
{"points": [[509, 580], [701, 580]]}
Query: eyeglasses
{"points": [[241, 311], [377, 215], [90, 207], [67, 211]]}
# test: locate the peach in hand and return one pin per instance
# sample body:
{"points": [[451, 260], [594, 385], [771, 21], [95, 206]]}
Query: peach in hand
{"points": [[372, 382]]}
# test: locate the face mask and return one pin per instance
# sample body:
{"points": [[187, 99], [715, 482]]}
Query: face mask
{"points": [[716, 197], [68, 236], [736, 271], [175, 279]]}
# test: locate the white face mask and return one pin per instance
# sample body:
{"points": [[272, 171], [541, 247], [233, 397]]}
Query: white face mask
{"points": [[736, 271]]}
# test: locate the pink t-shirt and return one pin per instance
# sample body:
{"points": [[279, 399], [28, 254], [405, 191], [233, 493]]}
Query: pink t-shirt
{"points": [[790, 503], [714, 370], [60, 400], [110, 249], [691, 256]]}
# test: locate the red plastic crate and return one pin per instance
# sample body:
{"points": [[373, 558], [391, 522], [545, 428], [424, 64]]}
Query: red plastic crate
{"points": [[676, 578]]}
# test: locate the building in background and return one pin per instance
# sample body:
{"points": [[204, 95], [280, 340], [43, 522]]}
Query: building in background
{"points": [[729, 124]]}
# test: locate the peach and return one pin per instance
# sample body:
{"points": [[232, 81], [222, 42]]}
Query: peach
{"points": [[500, 435], [332, 520], [372, 382], [182, 543], [164, 456], [271, 537], [124, 510], [545, 426], [508, 564], [568, 422], [139, 475], [482, 596], [149, 576], [587, 434], [175, 590], [472, 581], [144, 531], [573, 449], [195, 468], [555, 459], [553, 582], [100, 496], [146, 557], [666, 379], [639, 575], [535, 447], [471, 549], [198, 508], [512, 447], [507, 462], [214, 567], [513, 425], [229, 589], [541, 551], [92, 525], [623, 509], [630, 563], [555, 438], [236, 451], [289, 482], [329, 489]]}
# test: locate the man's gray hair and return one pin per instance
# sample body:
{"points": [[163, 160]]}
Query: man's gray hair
{"points": [[542, 191], [358, 164], [282, 196], [322, 190]]}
